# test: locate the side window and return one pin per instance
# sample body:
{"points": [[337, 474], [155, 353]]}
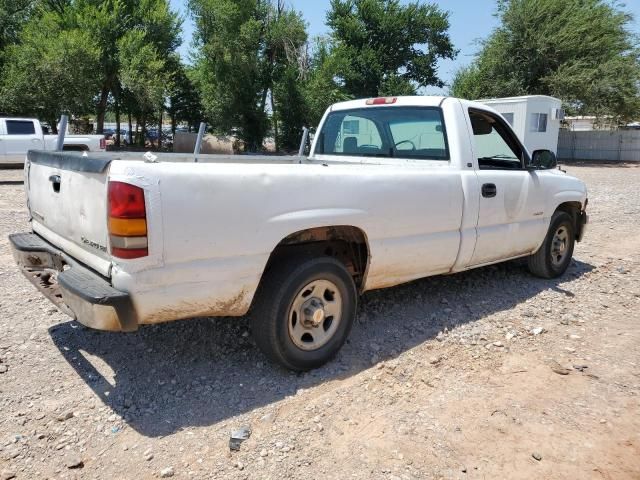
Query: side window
{"points": [[357, 135], [539, 122], [508, 117], [496, 146], [20, 127]]}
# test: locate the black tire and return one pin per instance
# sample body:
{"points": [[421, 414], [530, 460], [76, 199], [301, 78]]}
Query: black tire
{"points": [[272, 310], [547, 264]]}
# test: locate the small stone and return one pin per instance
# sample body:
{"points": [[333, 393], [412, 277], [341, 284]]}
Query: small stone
{"points": [[581, 368], [7, 474], [3, 369], [559, 369], [148, 454], [537, 456], [498, 344], [65, 416], [167, 472], [268, 418], [435, 360], [509, 336], [537, 331], [263, 452], [575, 337], [239, 436], [74, 461]]}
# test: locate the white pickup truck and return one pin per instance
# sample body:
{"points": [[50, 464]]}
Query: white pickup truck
{"points": [[394, 189], [19, 135]]}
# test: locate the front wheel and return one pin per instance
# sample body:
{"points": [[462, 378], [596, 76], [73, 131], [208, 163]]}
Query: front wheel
{"points": [[304, 311], [554, 256]]}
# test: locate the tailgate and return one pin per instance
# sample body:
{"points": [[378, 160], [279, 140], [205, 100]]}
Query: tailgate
{"points": [[68, 203]]}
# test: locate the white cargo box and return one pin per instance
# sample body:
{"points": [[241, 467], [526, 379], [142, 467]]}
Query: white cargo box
{"points": [[535, 119]]}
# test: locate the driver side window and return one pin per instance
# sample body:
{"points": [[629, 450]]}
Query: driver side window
{"points": [[496, 147]]}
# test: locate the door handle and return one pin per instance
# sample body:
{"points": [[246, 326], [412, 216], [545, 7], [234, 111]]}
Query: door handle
{"points": [[55, 182], [489, 190]]}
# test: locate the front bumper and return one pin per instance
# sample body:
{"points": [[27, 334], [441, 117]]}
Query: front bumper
{"points": [[73, 288]]}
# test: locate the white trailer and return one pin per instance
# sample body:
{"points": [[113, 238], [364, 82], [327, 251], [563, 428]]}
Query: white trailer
{"points": [[535, 119]]}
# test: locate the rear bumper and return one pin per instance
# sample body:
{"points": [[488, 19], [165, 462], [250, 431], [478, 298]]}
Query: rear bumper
{"points": [[73, 288]]}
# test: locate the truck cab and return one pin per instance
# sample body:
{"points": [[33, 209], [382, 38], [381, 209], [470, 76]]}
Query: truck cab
{"points": [[17, 136]]}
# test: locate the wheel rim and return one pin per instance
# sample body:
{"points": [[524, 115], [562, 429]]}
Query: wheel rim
{"points": [[560, 246], [315, 314]]}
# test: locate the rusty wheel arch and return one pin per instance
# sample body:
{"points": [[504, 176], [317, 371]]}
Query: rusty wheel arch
{"points": [[346, 243]]}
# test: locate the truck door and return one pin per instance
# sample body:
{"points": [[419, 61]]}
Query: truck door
{"points": [[511, 202], [21, 136]]}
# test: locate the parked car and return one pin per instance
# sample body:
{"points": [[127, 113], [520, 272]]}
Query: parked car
{"points": [[394, 189], [18, 135]]}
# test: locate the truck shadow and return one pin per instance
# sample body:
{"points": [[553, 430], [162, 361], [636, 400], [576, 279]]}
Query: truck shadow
{"points": [[165, 378]]}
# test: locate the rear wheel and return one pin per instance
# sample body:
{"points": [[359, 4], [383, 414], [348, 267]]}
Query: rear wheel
{"points": [[304, 311], [554, 256]]}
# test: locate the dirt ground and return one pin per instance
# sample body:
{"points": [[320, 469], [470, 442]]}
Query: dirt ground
{"points": [[488, 374]]}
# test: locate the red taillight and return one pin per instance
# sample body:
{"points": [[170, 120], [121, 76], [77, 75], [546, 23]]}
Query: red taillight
{"points": [[127, 221], [126, 201], [103, 144], [382, 101]]}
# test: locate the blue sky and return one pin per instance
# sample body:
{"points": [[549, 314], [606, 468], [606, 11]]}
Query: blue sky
{"points": [[470, 20]]}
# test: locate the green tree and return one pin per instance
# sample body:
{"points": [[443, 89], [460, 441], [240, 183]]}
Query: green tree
{"points": [[384, 47], [121, 29], [184, 100], [45, 78], [13, 15], [581, 51], [321, 87], [245, 47]]}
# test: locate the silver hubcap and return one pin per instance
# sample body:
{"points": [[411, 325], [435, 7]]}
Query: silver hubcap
{"points": [[559, 246], [315, 314]]}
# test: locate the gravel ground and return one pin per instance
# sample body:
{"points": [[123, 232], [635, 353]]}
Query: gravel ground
{"points": [[486, 374]]}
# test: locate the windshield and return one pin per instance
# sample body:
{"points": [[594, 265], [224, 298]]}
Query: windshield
{"points": [[404, 132]]}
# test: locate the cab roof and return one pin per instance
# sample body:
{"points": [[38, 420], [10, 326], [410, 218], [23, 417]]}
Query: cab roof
{"points": [[413, 101]]}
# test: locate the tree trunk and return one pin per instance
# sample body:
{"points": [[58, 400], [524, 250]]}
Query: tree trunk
{"points": [[117, 122], [160, 131], [130, 133], [143, 131], [102, 109], [275, 120], [54, 126]]}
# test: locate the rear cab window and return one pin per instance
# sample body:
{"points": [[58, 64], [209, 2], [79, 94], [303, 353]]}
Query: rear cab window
{"points": [[20, 127], [389, 132]]}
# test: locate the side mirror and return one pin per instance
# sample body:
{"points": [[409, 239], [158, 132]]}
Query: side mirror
{"points": [[543, 160]]}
